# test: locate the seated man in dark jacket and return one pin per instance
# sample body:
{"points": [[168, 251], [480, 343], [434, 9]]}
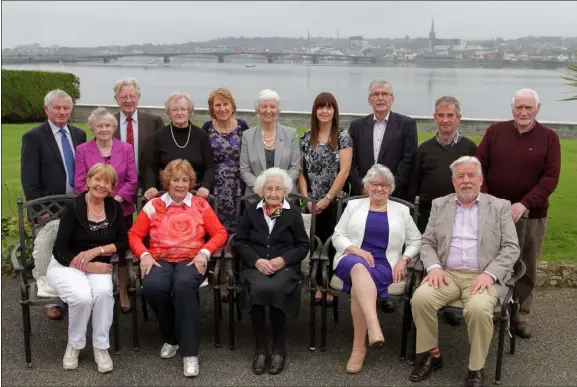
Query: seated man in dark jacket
{"points": [[271, 242]]}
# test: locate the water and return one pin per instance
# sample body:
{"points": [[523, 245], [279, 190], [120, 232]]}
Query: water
{"points": [[484, 93]]}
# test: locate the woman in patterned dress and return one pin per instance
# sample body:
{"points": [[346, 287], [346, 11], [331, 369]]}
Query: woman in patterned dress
{"points": [[225, 134], [326, 160]]}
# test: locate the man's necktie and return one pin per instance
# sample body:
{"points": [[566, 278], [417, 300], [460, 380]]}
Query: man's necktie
{"points": [[129, 132], [68, 156]]}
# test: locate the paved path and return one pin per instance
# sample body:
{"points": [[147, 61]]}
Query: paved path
{"points": [[547, 359]]}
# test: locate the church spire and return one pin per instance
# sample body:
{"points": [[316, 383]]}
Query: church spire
{"points": [[432, 35]]}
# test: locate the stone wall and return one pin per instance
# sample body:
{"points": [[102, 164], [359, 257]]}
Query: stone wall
{"points": [[557, 275], [469, 126]]}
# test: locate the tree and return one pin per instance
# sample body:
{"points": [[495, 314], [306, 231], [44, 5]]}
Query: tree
{"points": [[572, 78]]}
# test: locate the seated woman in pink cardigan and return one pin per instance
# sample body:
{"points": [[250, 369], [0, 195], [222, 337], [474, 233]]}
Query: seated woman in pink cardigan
{"points": [[120, 155]]}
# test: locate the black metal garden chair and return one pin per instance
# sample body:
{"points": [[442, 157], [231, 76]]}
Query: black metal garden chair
{"points": [[38, 213], [334, 287], [211, 281]]}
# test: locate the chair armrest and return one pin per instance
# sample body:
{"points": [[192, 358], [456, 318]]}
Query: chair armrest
{"points": [[518, 271], [114, 259], [416, 265], [130, 262], [14, 259]]}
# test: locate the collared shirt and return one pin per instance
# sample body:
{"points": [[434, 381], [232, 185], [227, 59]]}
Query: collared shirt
{"points": [[464, 249], [58, 138], [379, 129], [168, 201], [270, 222], [453, 142], [123, 125]]}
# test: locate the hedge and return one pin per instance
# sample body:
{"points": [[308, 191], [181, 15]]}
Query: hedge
{"points": [[23, 93]]}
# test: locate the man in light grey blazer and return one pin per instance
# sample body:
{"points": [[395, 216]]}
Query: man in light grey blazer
{"points": [[468, 249], [269, 144]]}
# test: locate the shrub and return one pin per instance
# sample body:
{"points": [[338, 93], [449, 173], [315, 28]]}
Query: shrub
{"points": [[11, 237], [23, 93]]}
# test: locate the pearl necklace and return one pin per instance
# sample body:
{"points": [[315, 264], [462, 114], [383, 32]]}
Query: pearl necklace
{"points": [[223, 133], [104, 153], [380, 208], [268, 142], [187, 140], [92, 209]]}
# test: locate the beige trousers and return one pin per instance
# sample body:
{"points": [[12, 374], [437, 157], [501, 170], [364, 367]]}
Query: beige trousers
{"points": [[478, 313]]}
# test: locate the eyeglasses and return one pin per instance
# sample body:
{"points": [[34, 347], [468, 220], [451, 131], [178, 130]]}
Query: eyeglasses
{"points": [[127, 97], [178, 110], [377, 94], [104, 126], [380, 185]]}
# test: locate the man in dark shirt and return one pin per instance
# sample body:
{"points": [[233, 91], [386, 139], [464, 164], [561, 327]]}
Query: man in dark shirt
{"points": [[431, 175], [521, 162]]}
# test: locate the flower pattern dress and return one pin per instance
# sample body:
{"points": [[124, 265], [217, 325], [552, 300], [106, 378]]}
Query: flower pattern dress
{"points": [[321, 164], [228, 185]]}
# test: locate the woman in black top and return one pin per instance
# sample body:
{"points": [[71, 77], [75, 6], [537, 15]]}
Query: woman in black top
{"points": [[91, 229], [179, 140]]}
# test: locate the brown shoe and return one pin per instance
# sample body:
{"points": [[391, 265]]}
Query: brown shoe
{"points": [[475, 378], [425, 367], [54, 313], [523, 329]]}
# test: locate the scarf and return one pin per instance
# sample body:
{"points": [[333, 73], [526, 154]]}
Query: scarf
{"points": [[272, 212]]}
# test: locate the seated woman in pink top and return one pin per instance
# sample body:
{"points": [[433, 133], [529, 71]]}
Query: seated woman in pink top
{"points": [[120, 155], [174, 266]]}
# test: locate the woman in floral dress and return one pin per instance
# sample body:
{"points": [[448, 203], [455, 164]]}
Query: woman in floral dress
{"points": [[326, 160]]}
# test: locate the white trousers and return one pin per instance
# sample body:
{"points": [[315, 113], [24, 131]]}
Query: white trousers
{"points": [[84, 293]]}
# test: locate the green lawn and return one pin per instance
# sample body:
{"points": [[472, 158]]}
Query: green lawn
{"points": [[560, 240]]}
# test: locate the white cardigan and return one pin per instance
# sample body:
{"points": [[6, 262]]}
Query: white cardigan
{"points": [[402, 230]]}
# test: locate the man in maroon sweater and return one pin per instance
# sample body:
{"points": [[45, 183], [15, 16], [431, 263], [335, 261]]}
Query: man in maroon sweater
{"points": [[521, 162]]}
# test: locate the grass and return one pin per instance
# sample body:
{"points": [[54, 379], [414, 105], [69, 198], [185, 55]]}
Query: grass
{"points": [[560, 239]]}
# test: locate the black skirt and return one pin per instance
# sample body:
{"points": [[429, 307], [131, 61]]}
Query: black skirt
{"points": [[281, 290]]}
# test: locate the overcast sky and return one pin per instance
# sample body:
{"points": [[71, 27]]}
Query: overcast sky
{"points": [[93, 23]]}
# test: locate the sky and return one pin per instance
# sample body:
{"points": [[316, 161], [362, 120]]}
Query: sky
{"points": [[95, 23]]}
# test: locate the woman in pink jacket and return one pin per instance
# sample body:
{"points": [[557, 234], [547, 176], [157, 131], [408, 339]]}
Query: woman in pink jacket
{"points": [[120, 155]]}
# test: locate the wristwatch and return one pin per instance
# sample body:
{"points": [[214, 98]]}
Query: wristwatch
{"points": [[328, 196], [407, 259]]}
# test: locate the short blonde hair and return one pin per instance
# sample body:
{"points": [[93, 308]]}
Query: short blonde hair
{"points": [[382, 171], [177, 165], [223, 93], [175, 97], [98, 114], [107, 170], [261, 180]]}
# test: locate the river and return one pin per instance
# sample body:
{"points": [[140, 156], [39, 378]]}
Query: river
{"points": [[484, 93]]}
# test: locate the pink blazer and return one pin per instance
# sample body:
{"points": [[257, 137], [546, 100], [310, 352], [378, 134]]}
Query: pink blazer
{"points": [[121, 159]]}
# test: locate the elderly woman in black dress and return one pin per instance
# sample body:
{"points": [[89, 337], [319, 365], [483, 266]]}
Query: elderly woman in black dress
{"points": [[271, 242]]}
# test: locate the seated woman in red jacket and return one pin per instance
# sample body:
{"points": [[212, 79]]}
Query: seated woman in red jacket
{"points": [[174, 266]]}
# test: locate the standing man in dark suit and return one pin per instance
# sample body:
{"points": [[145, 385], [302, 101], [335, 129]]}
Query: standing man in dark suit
{"points": [[136, 127], [47, 157], [383, 137]]}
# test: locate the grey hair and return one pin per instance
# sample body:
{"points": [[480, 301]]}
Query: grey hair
{"points": [[380, 82], [525, 92], [56, 94], [448, 100], [382, 171], [126, 81], [261, 180], [175, 97], [266, 95], [99, 114], [466, 160]]}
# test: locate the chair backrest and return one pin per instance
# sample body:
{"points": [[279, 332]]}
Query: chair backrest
{"points": [[38, 212], [413, 207], [141, 200]]}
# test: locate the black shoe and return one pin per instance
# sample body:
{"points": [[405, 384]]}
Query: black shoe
{"points": [[276, 364], [453, 317], [425, 367], [388, 306], [126, 309], [259, 364], [225, 299], [475, 378], [522, 329]]}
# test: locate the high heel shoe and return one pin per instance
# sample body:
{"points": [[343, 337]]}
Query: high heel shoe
{"points": [[356, 361], [377, 340]]}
